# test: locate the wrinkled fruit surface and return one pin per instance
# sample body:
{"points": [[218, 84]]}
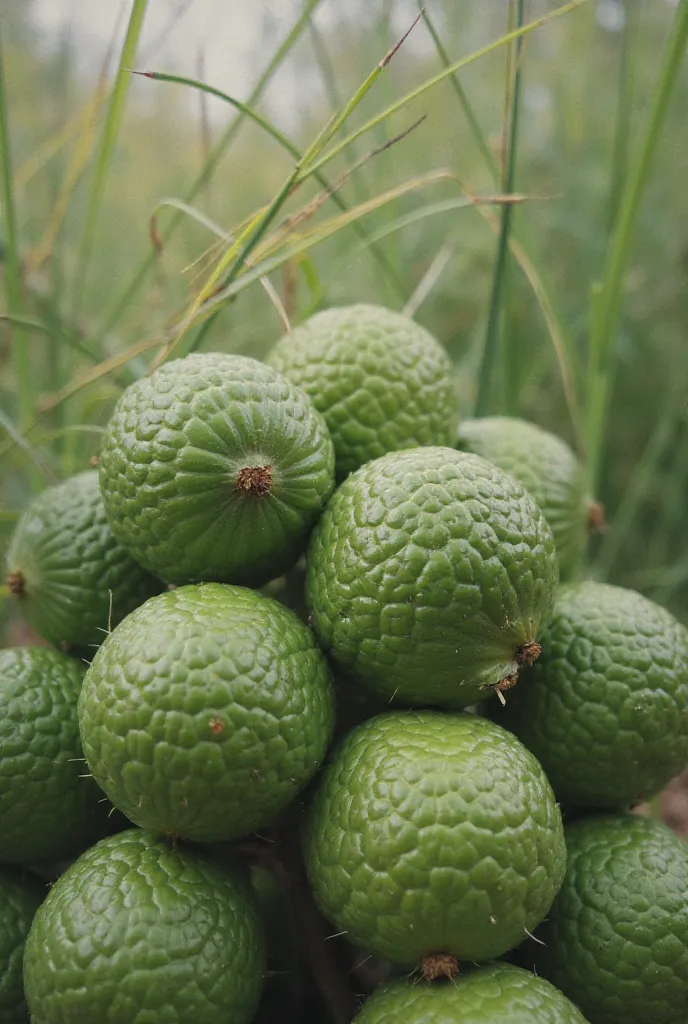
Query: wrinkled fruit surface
{"points": [[616, 938], [490, 995], [605, 707], [547, 468], [206, 711], [215, 468], [433, 833], [381, 381], [137, 930], [20, 897], [430, 577], [48, 804], [73, 580]]}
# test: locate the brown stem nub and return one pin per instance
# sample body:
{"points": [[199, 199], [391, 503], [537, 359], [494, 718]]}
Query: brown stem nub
{"points": [[527, 653], [256, 480], [439, 965], [597, 522], [16, 583]]}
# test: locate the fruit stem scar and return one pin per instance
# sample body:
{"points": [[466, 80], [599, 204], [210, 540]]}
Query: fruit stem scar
{"points": [[217, 726], [527, 653], [16, 583], [439, 965], [255, 480]]}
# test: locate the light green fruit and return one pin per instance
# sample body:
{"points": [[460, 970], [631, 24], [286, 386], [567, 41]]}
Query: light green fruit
{"points": [[616, 938], [138, 930], [496, 994], [72, 579], [215, 468], [48, 802], [206, 711], [605, 707], [430, 577], [433, 834], [547, 468], [381, 381], [20, 897]]}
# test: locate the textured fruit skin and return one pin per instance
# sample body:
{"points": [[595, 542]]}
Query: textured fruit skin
{"points": [[433, 833], [137, 931], [71, 564], [206, 711], [616, 938], [48, 805], [489, 995], [546, 467], [171, 459], [427, 572], [381, 381], [20, 897], [605, 706]]}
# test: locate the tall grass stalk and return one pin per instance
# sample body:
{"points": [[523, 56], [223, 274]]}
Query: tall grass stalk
{"points": [[142, 270], [489, 357], [113, 121], [623, 110], [20, 352], [607, 295]]}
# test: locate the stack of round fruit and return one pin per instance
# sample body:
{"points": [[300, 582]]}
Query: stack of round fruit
{"points": [[471, 697]]}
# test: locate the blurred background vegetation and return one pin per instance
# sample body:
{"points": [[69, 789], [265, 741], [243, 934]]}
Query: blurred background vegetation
{"points": [[97, 286]]}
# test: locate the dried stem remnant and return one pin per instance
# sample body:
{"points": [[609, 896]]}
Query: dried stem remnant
{"points": [[256, 480], [439, 965], [16, 583], [527, 653]]}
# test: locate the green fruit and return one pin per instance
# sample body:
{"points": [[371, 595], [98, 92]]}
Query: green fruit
{"points": [[48, 804], [215, 468], [74, 581], [139, 931], [206, 711], [616, 938], [605, 707], [547, 468], [430, 576], [381, 381], [20, 897], [433, 835], [489, 995]]}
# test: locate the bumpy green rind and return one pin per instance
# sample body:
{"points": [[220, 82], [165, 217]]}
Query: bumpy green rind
{"points": [[48, 804], [616, 938], [206, 711], [605, 706], [432, 833], [547, 468], [489, 995], [138, 930], [428, 571], [172, 457], [381, 381], [78, 580], [20, 897]]}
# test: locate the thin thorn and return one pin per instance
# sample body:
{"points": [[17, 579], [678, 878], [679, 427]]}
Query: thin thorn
{"points": [[534, 937], [335, 936]]}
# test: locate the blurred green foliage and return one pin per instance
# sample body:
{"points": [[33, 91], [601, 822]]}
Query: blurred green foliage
{"points": [[585, 94]]}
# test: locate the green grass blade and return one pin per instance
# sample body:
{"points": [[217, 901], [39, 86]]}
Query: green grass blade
{"points": [[607, 296], [143, 269], [623, 111], [430, 83], [489, 356], [113, 121], [20, 353], [470, 115]]}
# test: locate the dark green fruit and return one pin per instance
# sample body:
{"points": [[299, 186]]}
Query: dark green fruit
{"points": [[20, 897], [48, 802], [215, 467], [430, 577], [616, 938], [496, 994], [605, 707], [139, 930], [381, 381], [72, 579]]}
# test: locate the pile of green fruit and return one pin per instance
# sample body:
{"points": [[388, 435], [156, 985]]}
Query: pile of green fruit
{"points": [[315, 705]]}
